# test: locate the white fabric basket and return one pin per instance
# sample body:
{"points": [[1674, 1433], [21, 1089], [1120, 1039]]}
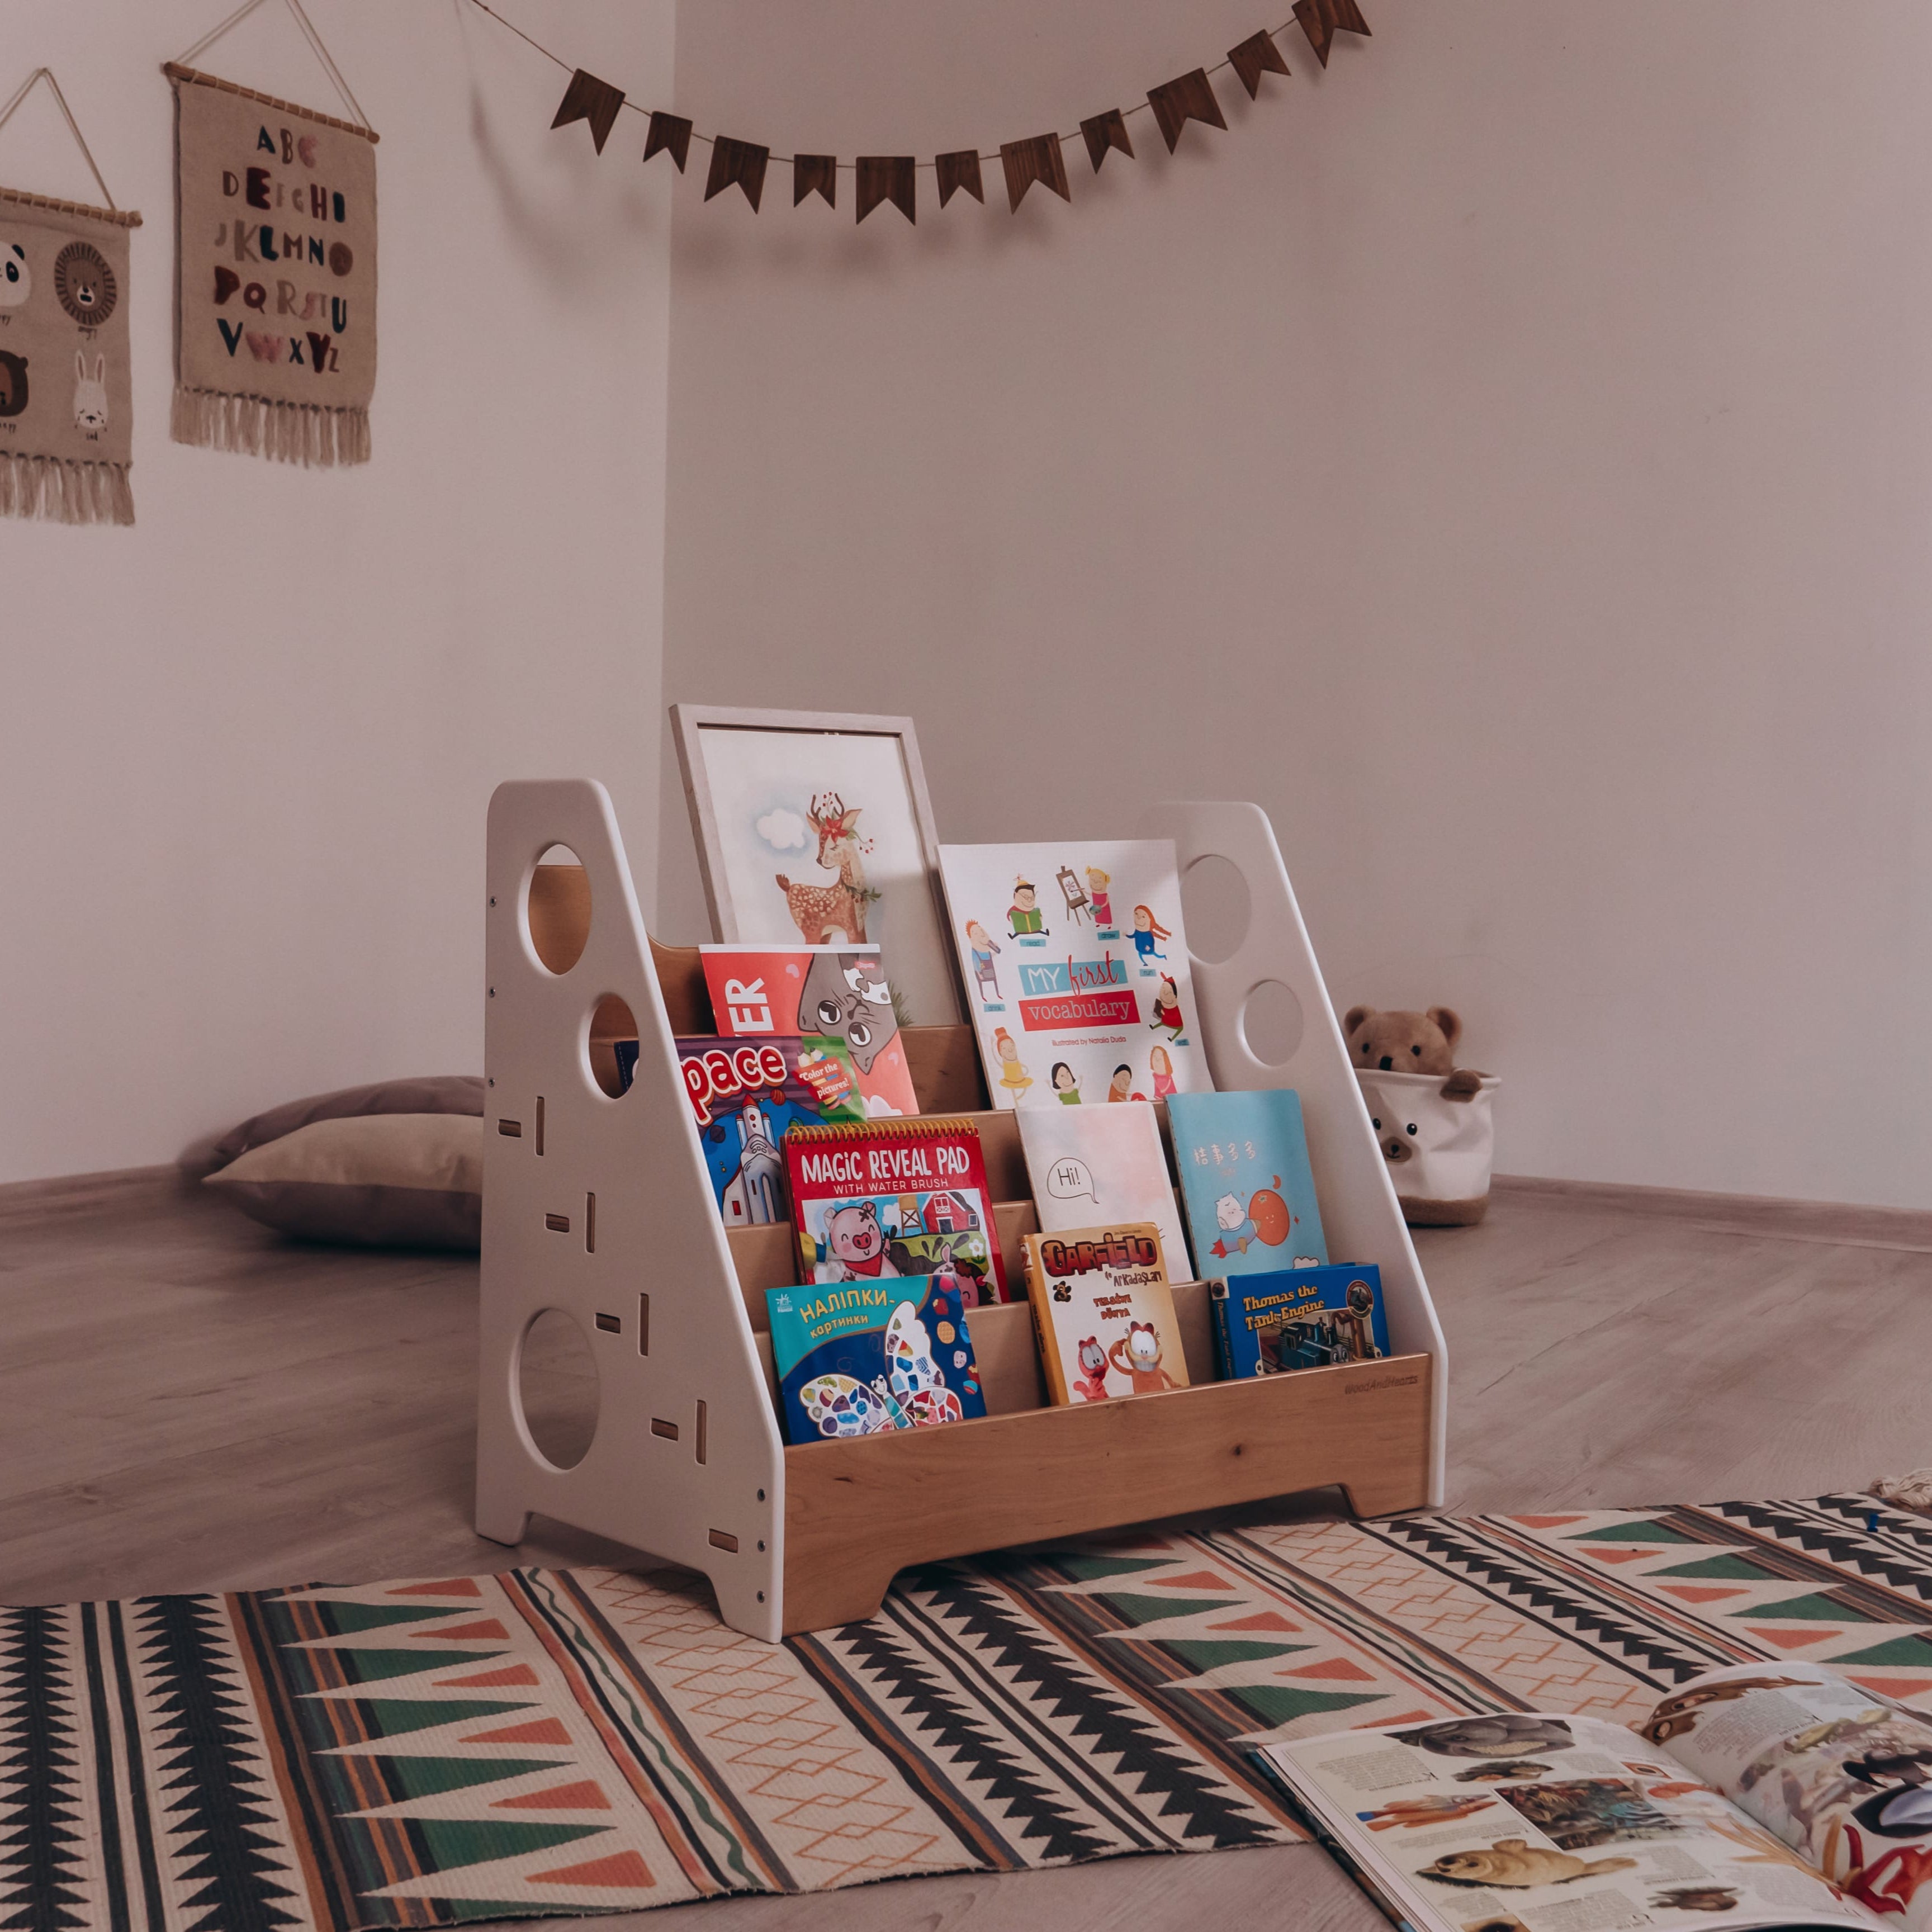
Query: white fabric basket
{"points": [[1438, 1149]]}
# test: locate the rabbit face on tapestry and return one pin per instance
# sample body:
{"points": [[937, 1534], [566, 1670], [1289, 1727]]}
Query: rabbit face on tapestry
{"points": [[16, 281], [90, 393]]}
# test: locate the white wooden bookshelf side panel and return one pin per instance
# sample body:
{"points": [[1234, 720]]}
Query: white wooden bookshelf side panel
{"points": [[686, 1463], [1360, 1216]]}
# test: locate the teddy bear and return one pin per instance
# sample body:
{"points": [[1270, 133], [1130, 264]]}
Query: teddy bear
{"points": [[1407, 1042]]}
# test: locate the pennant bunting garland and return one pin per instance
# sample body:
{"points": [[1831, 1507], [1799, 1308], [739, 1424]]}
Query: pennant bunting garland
{"points": [[894, 177], [958, 170], [1104, 133], [1256, 56], [669, 134], [742, 162], [886, 178], [1321, 20], [1177, 102], [587, 98], [818, 173], [1036, 159]]}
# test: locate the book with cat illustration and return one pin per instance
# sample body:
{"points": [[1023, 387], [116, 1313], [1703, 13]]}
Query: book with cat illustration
{"points": [[859, 1357], [880, 1200], [1105, 1312], [1245, 1177], [837, 998], [1766, 1797], [1313, 1318]]}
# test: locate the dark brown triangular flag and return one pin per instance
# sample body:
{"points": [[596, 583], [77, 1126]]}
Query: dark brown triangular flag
{"points": [[814, 171], [1321, 20], [1256, 56], [669, 134], [740, 161], [1037, 158], [886, 178], [1189, 98], [1105, 132], [587, 98], [958, 170]]}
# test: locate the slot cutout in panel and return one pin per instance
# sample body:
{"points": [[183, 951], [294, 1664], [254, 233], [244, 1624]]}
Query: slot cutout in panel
{"points": [[1271, 1023], [556, 909]]}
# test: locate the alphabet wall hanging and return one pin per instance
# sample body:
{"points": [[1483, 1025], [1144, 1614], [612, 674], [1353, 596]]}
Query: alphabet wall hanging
{"points": [[275, 266], [66, 401]]}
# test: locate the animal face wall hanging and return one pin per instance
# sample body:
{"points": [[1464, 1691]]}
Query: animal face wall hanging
{"points": [[66, 402], [275, 342]]}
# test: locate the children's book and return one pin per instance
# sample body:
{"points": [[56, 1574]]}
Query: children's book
{"points": [[1075, 965], [836, 998], [1769, 1796], [1105, 1312], [1090, 1164], [1317, 1317], [858, 1357], [888, 1199], [745, 1095], [1244, 1174]]}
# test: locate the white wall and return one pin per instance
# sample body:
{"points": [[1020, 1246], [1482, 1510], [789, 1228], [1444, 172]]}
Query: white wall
{"points": [[245, 748], [1507, 457]]}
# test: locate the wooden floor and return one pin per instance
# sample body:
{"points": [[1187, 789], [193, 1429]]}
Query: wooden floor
{"points": [[188, 1403]]}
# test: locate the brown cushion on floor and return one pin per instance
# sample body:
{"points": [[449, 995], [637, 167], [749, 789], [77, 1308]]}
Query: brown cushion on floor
{"points": [[379, 1180], [431, 1093]]}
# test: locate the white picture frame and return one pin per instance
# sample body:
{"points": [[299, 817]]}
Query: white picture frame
{"points": [[759, 783]]}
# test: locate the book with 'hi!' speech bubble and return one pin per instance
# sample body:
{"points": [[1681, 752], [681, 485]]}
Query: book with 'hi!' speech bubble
{"points": [[1090, 1165]]}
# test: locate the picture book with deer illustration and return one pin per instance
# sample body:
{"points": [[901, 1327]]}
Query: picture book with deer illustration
{"points": [[888, 1200], [1244, 1175], [837, 998], [1076, 964], [1105, 1312]]}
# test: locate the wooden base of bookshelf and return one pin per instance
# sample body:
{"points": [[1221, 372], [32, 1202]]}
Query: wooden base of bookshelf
{"points": [[857, 1512]]}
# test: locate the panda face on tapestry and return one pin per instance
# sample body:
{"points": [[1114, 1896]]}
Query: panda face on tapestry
{"points": [[65, 444]]}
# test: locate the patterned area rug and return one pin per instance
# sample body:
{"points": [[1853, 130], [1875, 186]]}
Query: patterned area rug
{"points": [[436, 1753]]}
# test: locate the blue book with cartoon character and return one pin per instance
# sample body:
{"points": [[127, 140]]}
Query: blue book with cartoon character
{"points": [[854, 1358], [1314, 1318], [1244, 1176]]}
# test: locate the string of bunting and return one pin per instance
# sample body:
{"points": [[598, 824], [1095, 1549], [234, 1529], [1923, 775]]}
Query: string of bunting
{"points": [[880, 178]]}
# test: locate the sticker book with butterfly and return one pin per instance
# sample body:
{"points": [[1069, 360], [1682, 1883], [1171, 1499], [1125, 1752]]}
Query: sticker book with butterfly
{"points": [[883, 1200], [857, 1357], [1105, 1312]]}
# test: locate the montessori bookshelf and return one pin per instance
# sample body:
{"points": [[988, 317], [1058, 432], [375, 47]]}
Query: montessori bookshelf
{"points": [[601, 1207]]}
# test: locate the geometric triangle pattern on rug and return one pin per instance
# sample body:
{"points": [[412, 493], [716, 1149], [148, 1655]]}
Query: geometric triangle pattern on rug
{"points": [[442, 1751]]}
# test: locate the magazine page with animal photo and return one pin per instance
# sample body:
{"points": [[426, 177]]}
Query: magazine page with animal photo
{"points": [[1076, 970], [1759, 1796]]}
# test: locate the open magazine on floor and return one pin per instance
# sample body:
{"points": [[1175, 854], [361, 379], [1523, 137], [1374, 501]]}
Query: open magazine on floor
{"points": [[1764, 1795]]}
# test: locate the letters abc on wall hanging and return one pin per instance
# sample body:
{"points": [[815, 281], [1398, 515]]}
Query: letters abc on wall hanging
{"points": [[275, 275]]}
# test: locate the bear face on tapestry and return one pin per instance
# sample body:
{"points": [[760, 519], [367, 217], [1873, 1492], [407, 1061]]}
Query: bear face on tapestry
{"points": [[67, 404], [276, 278]]}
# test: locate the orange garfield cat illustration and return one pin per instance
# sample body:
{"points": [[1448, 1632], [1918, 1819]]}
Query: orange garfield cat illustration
{"points": [[1137, 1356]]}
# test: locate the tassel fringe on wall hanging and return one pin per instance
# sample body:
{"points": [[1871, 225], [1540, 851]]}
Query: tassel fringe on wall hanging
{"points": [[67, 402], [275, 274]]}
